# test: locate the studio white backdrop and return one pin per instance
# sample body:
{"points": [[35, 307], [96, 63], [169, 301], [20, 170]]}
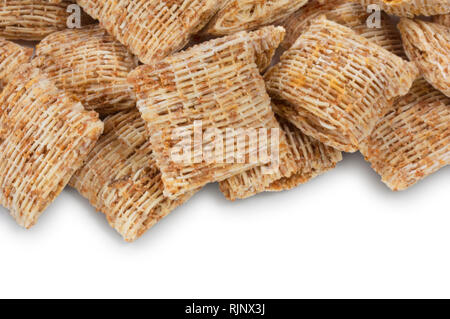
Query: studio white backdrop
{"points": [[342, 235]]}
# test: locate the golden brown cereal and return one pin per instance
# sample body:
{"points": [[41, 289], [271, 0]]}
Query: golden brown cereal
{"points": [[32, 19], [265, 42], [306, 159], [215, 86], [337, 84], [351, 14], [44, 138], [12, 56], [442, 19], [428, 45], [412, 141], [411, 8], [91, 65], [151, 29], [121, 180], [240, 15], [312, 158], [256, 180]]}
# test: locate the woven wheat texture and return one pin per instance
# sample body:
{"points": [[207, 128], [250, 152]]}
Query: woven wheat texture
{"points": [[91, 65], [240, 15], [217, 83], [33, 19], [12, 56], [442, 19], [428, 45], [411, 8], [306, 159], [265, 42], [413, 140], [256, 180], [151, 29], [121, 180], [44, 138], [337, 84], [349, 13], [312, 157], [176, 108]]}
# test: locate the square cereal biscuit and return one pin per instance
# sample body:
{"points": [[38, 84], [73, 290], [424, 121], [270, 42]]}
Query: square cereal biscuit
{"points": [[216, 84], [32, 19], [12, 56], [412, 141], [241, 15], [44, 138], [151, 29], [90, 64], [349, 13], [121, 180], [337, 84], [428, 45]]}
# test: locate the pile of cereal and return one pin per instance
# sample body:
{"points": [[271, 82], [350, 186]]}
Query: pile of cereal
{"points": [[138, 104]]}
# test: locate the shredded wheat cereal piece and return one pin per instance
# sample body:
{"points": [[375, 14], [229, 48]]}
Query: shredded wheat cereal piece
{"points": [[255, 180], [307, 159], [412, 141], [218, 84], [44, 138], [12, 56], [265, 42], [442, 19], [337, 84], [428, 45], [411, 8], [240, 15], [32, 19], [90, 64], [121, 180], [312, 157], [151, 29], [350, 14]]}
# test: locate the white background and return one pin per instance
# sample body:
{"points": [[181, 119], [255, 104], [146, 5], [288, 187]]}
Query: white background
{"points": [[344, 234]]}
